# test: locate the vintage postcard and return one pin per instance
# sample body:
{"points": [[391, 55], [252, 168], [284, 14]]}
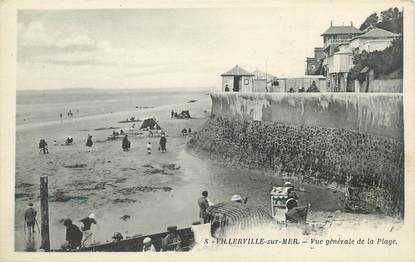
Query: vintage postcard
{"points": [[270, 130]]}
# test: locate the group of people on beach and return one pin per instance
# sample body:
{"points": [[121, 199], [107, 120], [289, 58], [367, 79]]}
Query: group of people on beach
{"points": [[69, 114], [291, 203], [186, 132], [75, 237], [126, 144], [43, 145]]}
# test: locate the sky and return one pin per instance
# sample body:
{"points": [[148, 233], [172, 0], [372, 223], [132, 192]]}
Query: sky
{"points": [[161, 48]]}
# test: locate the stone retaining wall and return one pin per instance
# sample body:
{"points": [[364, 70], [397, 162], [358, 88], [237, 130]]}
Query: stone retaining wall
{"points": [[322, 149]]}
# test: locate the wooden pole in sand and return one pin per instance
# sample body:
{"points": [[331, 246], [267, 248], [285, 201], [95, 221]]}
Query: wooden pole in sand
{"points": [[44, 213]]}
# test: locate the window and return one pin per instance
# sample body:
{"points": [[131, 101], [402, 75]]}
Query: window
{"points": [[246, 82]]}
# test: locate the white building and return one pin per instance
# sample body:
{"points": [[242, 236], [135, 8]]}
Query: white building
{"points": [[340, 61], [375, 39]]}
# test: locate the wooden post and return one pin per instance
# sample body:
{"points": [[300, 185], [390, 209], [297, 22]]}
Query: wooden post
{"points": [[44, 213]]}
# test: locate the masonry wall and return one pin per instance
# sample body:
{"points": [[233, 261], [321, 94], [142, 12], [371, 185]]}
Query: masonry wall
{"points": [[350, 140], [380, 114], [386, 86]]}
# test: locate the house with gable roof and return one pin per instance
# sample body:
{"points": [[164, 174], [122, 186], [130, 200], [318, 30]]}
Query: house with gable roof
{"points": [[341, 43]]}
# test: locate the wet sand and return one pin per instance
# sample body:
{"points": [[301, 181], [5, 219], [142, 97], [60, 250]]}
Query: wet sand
{"points": [[111, 183]]}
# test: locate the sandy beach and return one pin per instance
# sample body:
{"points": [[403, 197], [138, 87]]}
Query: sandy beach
{"points": [[150, 192], [111, 183]]}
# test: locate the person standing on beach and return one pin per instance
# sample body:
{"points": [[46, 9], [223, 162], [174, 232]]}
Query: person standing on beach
{"points": [[172, 113], [60, 115], [126, 144], [163, 142], [86, 228], [89, 142], [203, 203], [30, 218]]}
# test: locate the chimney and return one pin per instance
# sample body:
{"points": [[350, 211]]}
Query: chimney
{"points": [[351, 23], [331, 23]]}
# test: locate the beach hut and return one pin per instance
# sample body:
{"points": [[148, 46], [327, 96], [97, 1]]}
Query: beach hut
{"points": [[237, 80]]}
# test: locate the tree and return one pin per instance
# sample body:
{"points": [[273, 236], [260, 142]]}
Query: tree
{"points": [[360, 61], [386, 61], [391, 20], [373, 19], [382, 62]]}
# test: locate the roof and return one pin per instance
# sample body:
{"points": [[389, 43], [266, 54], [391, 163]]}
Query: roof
{"points": [[261, 75], [237, 71], [378, 33], [341, 30], [302, 77]]}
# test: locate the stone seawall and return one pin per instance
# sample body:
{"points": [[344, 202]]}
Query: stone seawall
{"points": [[350, 141], [380, 114]]}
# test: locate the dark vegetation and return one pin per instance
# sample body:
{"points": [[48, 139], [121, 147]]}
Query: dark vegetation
{"points": [[388, 61], [349, 159]]}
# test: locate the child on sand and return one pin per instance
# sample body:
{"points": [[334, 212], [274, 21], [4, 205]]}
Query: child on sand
{"points": [[149, 148]]}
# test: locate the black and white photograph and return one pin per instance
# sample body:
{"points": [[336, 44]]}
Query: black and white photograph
{"points": [[203, 129]]}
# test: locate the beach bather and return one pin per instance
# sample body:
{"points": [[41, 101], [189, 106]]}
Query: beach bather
{"points": [[126, 144], [203, 203], [86, 228], [89, 142], [43, 146], [30, 218], [172, 241], [163, 142], [69, 140], [148, 245], [73, 235]]}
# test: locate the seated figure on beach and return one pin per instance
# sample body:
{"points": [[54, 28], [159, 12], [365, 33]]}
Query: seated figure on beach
{"points": [[148, 245], [69, 140], [184, 132], [172, 242], [291, 192], [43, 146]]}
